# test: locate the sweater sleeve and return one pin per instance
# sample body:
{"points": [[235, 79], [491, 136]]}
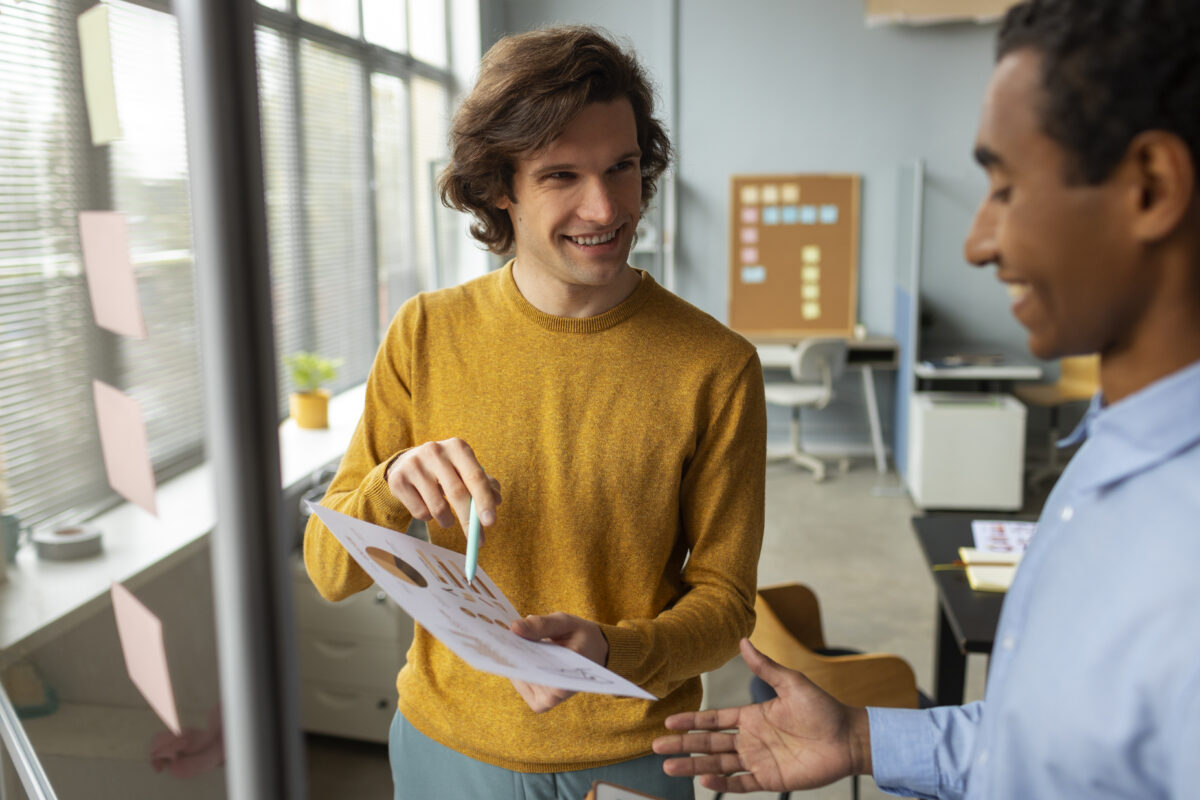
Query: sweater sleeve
{"points": [[721, 512], [360, 487]]}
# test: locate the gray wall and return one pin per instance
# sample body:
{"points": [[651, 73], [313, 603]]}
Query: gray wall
{"points": [[806, 86]]}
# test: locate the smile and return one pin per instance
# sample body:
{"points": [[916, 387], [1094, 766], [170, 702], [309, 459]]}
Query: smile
{"points": [[600, 238], [1017, 291]]}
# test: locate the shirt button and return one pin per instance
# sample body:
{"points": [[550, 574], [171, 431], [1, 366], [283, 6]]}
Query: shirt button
{"points": [[982, 758], [1008, 643], [1067, 513]]}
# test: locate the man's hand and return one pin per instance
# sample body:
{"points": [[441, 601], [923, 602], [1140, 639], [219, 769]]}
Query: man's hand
{"points": [[437, 480], [580, 635], [802, 739]]}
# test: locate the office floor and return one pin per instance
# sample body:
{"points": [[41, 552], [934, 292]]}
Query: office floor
{"points": [[848, 537]]}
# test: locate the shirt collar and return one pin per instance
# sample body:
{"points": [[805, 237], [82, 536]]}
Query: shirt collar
{"points": [[1141, 430]]}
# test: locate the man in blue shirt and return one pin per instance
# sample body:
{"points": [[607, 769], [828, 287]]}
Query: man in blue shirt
{"points": [[1090, 136]]}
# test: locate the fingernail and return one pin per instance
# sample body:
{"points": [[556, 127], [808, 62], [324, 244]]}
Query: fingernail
{"points": [[487, 517]]}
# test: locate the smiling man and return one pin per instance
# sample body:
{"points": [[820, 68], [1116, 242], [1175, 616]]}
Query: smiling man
{"points": [[626, 428], [1090, 136]]}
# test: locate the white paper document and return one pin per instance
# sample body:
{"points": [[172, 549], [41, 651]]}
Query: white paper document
{"points": [[1002, 536], [430, 584]]}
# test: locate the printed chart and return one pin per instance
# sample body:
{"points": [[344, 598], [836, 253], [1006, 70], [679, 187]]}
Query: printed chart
{"points": [[430, 584]]}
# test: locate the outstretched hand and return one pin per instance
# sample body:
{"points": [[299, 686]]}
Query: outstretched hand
{"points": [[575, 633], [801, 739]]}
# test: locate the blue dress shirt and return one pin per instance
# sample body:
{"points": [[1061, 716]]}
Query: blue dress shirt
{"points": [[1094, 683]]}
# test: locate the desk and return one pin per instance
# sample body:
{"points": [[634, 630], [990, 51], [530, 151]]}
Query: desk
{"points": [[1005, 372], [967, 619], [862, 354]]}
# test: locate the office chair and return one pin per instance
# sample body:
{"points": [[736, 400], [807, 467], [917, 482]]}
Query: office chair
{"points": [[816, 364], [1078, 380], [788, 630]]}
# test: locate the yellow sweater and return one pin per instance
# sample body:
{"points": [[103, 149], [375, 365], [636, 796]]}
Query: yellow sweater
{"points": [[630, 448]]}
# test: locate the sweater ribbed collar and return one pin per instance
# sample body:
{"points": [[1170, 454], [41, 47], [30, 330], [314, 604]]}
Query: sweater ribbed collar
{"points": [[601, 322]]}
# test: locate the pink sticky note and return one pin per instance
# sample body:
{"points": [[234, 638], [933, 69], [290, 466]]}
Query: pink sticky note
{"points": [[123, 442], [112, 285], [141, 635], [749, 255], [749, 215], [749, 235]]}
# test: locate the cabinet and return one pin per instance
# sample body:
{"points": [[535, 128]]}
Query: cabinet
{"points": [[966, 451], [350, 652]]}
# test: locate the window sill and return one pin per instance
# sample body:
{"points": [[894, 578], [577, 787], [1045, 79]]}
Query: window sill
{"points": [[41, 599]]}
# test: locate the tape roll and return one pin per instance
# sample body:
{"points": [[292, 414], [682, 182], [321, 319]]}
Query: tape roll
{"points": [[68, 542]]}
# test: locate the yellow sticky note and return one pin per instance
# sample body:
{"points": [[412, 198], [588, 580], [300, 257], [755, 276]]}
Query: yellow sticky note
{"points": [[99, 92], [810, 274], [811, 254], [810, 310], [770, 194], [811, 291], [790, 193], [750, 195]]}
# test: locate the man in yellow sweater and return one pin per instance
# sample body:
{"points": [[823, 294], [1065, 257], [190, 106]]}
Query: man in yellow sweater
{"points": [[625, 427]]}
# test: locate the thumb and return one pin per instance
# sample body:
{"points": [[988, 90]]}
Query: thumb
{"points": [[547, 626], [763, 666]]}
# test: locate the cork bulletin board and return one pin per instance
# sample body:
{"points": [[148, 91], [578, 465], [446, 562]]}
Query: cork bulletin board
{"points": [[793, 255]]}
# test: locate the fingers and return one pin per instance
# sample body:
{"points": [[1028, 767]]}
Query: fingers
{"points": [[711, 743], [546, 626], [763, 666], [721, 764], [712, 719], [540, 698], [578, 634], [438, 480]]}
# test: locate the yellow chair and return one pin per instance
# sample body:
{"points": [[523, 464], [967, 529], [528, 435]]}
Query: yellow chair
{"points": [[789, 631], [1078, 380]]}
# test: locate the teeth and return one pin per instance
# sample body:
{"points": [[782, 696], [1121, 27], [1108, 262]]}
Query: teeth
{"points": [[593, 240], [1017, 290]]}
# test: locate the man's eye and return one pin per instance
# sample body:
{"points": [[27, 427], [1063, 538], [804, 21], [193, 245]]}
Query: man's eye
{"points": [[621, 166], [1002, 195]]}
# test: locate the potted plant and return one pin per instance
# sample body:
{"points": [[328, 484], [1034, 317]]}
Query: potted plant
{"points": [[309, 401]]}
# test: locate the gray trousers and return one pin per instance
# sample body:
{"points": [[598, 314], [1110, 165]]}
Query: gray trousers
{"points": [[422, 769]]}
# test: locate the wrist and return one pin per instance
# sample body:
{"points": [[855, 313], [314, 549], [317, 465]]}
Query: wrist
{"points": [[859, 736]]}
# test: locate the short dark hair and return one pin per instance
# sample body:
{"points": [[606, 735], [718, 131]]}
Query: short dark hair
{"points": [[1111, 69], [529, 89]]}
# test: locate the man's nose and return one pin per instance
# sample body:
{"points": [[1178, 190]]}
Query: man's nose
{"points": [[598, 204], [980, 246]]}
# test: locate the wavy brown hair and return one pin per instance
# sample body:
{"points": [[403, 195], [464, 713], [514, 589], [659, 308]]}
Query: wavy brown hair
{"points": [[529, 89]]}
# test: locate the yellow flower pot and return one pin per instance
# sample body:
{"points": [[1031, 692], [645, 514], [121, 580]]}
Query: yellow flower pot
{"points": [[310, 409]]}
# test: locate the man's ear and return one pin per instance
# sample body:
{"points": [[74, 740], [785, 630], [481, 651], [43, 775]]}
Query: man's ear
{"points": [[1166, 182], [504, 203]]}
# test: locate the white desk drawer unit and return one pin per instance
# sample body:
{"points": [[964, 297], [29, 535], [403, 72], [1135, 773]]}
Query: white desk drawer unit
{"points": [[966, 451], [350, 652]]}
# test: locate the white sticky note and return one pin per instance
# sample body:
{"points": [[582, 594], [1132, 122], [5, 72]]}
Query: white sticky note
{"points": [[770, 194], [810, 254], [141, 634], [811, 291], [810, 310], [112, 285], [829, 214], [810, 274], [754, 274], [99, 89], [750, 195], [789, 193], [124, 445]]}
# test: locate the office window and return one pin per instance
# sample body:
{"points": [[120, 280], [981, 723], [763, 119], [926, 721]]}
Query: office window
{"points": [[351, 128]]}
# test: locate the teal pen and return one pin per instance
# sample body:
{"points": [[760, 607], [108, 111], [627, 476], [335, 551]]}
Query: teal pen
{"points": [[472, 543]]}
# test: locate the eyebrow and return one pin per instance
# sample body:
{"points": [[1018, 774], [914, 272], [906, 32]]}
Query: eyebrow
{"points": [[988, 158], [568, 167]]}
